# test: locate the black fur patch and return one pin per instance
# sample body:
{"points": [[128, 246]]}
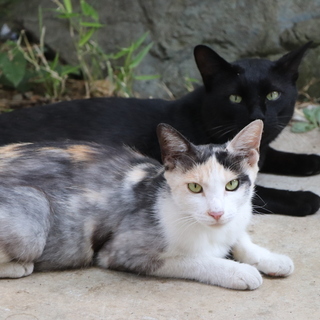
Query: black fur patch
{"points": [[229, 161]]}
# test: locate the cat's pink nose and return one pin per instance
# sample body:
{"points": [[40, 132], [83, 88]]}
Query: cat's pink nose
{"points": [[216, 215]]}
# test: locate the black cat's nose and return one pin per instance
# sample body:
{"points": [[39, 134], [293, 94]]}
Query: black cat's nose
{"points": [[257, 114]]}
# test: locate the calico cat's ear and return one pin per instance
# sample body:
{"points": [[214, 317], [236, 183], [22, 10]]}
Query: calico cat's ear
{"points": [[247, 142], [174, 146], [290, 62], [210, 63]]}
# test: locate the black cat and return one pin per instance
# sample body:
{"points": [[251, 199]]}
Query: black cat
{"points": [[233, 95]]}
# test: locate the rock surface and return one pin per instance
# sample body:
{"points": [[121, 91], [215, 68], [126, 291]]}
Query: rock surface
{"points": [[235, 29]]}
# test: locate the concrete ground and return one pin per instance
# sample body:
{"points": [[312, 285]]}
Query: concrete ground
{"points": [[100, 294]]}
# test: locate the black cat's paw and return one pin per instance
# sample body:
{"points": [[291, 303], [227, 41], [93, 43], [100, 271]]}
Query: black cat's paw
{"points": [[308, 202], [290, 203], [310, 165]]}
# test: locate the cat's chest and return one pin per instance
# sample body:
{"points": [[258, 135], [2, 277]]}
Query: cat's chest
{"points": [[201, 240]]}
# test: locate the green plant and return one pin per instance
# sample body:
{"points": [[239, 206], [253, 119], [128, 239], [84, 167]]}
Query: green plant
{"points": [[93, 61], [313, 120], [13, 65], [24, 64], [82, 26], [123, 76]]}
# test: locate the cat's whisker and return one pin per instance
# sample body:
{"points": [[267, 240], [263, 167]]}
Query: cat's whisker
{"points": [[224, 126], [225, 133], [255, 209], [264, 206], [221, 129]]}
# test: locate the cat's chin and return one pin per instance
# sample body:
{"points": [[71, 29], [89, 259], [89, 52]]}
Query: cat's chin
{"points": [[215, 223]]}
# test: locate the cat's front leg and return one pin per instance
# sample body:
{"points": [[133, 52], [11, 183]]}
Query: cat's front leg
{"points": [[214, 271], [290, 164], [272, 264], [291, 203], [16, 269]]}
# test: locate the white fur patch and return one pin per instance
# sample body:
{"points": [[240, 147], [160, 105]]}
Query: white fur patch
{"points": [[137, 174], [16, 269]]}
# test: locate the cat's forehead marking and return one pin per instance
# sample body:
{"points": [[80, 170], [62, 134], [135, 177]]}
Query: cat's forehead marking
{"points": [[233, 162], [209, 171], [230, 161]]}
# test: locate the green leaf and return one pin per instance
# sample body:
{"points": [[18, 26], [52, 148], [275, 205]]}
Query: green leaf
{"points": [[192, 80], [68, 15], [66, 70], [139, 57], [68, 5], [310, 115], [317, 115], [138, 43], [54, 63], [120, 54], [147, 77], [300, 127], [89, 10], [14, 70], [3, 58], [92, 24], [86, 37]]}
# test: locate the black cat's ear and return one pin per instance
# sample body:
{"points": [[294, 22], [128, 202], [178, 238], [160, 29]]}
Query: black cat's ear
{"points": [[290, 62], [209, 63], [247, 142], [175, 148]]}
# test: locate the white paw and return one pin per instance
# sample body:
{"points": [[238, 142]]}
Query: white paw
{"points": [[15, 269], [276, 265], [245, 277]]}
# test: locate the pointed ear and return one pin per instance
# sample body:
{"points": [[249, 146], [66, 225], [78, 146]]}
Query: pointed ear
{"points": [[174, 146], [290, 62], [247, 142], [209, 63]]}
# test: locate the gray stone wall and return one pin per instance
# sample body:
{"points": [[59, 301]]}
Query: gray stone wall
{"points": [[234, 28]]}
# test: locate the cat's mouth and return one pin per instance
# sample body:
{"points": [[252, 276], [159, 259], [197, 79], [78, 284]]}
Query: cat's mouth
{"points": [[216, 223]]}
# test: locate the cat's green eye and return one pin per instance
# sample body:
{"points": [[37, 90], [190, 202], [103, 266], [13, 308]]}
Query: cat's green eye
{"points": [[194, 187], [235, 98], [232, 185], [273, 95]]}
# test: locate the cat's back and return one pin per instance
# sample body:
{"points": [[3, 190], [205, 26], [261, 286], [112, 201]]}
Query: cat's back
{"points": [[95, 119], [59, 164]]}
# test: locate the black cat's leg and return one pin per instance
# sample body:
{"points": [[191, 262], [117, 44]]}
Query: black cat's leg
{"points": [[290, 164], [289, 203]]}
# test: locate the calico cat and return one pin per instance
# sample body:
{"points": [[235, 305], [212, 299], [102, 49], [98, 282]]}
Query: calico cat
{"points": [[233, 95], [66, 205]]}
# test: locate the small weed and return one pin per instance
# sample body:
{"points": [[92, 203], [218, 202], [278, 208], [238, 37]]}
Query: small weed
{"points": [[123, 76], [82, 26], [24, 65], [93, 61]]}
